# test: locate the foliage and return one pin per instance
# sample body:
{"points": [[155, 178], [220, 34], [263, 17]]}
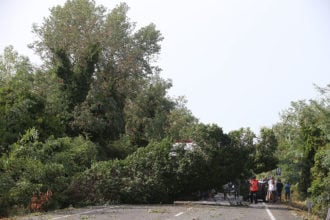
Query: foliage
{"points": [[19, 106], [320, 187], [265, 151], [33, 167], [147, 117], [101, 61], [25, 102], [303, 136], [180, 120], [161, 171], [95, 124], [144, 176], [243, 140]]}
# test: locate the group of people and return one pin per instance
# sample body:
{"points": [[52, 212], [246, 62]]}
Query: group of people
{"points": [[274, 189]]}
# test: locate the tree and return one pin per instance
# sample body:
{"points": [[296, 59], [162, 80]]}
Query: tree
{"points": [[11, 63], [33, 166], [20, 106], [69, 43], [146, 116], [180, 121], [320, 186], [265, 158], [28, 99], [102, 62], [303, 137], [242, 147], [321, 170], [290, 144]]}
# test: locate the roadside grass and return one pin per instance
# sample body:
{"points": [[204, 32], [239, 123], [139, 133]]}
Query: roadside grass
{"points": [[301, 209]]}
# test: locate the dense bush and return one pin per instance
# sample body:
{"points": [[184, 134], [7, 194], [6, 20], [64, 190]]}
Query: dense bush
{"points": [[158, 173], [320, 188], [145, 176], [33, 167]]}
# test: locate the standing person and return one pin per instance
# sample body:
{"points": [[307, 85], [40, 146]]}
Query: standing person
{"points": [[279, 188], [271, 190], [253, 190], [287, 189]]}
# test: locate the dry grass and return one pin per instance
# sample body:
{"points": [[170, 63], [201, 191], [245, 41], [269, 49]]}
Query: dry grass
{"points": [[301, 209]]}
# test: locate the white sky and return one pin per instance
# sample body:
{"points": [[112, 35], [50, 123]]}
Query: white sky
{"points": [[239, 63]]}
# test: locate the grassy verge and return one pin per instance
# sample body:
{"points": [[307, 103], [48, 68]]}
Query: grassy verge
{"points": [[302, 210]]}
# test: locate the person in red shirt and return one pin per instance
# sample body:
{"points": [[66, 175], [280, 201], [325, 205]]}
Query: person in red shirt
{"points": [[253, 190]]}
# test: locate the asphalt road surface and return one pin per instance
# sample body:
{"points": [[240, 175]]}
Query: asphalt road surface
{"points": [[171, 212]]}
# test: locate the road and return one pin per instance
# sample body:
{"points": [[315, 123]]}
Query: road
{"points": [[171, 212]]}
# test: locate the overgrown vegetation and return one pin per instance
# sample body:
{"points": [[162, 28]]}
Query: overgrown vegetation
{"points": [[304, 149], [94, 124]]}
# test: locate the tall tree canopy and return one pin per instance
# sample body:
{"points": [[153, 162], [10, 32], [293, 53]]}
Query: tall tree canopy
{"points": [[103, 65]]}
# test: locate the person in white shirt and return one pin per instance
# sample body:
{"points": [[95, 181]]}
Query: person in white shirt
{"points": [[271, 194]]}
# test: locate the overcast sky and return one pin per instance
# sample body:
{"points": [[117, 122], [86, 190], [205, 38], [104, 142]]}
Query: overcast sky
{"points": [[239, 63]]}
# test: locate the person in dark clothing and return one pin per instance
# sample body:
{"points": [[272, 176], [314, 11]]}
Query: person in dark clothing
{"points": [[287, 191], [279, 188]]}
